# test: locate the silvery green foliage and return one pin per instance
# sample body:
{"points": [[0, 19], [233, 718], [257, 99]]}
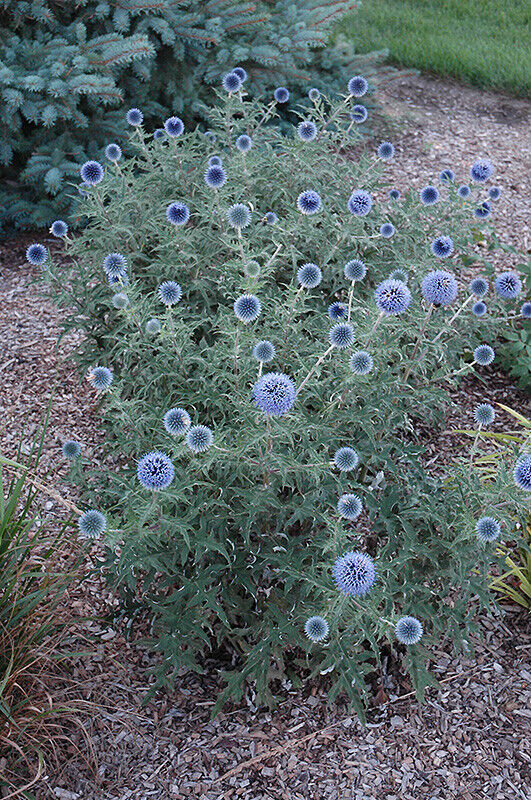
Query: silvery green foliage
{"points": [[237, 551]]}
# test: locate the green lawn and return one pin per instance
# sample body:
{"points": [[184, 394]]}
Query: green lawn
{"points": [[484, 42]]}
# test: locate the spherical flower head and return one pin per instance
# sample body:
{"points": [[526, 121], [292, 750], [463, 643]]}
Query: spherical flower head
{"points": [[309, 276], [463, 191], [494, 192], [484, 414], [252, 269], [115, 264], [386, 150], [274, 393], [281, 94], [307, 130], [429, 195], [393, 194], [337, 310], [100, 378], [439, 287], [176, 421], [399, 275], [484, 355], [153, 327], [481, 170], [488, 529], [91, 524], [483, 210], [525, 311], [387, 230], [308, 202], [159, 133], [359, 203], [478, 286], [36, 254], [349, 506], [91, 173], [346, 459], [316, 629], [113, 152], [120, 279], [392, 297], [408, 630], [231, 82], [120, 300], [174, 126], [271, 218], [358, 114], [155, 471], [479, 308], [341, 335], [361, 362], [247, 307], [264, 351], [244, 143], [59, 228], [241, 73], [210, 135], [134, 117], [446, 176], [508, 285], [178, 213], [522, 472], [170, 293], [82, 189], [71, 450], [357, 86], [215, 176], [314, 95], [442, 246], [199, 438], [354, 573], [215, 161], [239, 216]]}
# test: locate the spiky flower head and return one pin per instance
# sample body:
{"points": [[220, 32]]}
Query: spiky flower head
{"points": [[100, 378], [59, 228], [525, 311], [153, 327], [387, 230], [281, 94], [393, 194], [494, 192], [346, 459], [341, 335], [215, 176], [199, 438], [446, 176], [508, 285], [483, 210], [178, 213], [91, 173], [484, 355], [488, 529], [358, 114], [274, 393], [155, 471], [309, 275], [115, 264], [252, 269], [522, 472], [215, 161], [241, 73], [176, 421], [174, 126], [134, 117], [349, 506], [478, 286], [120, 279], [244, 143], [314, 94], [392, 297], [71, 450], [399, 275], [231, 82], [247, 307], [354, 573], [361, 362], [170, 293], [120, 300], [307, 130], [479, 308], [210, 135], [386, 150], [359, 203], [239, 216], [308, 202], [442, 246], [408, 630], [337, 310], [271, 218], [484, 414], [264, 351], [463, 191], [36, 254], [316, 629], [429, 195], [481, 170], [113, 152], [439, 287], [357, 86], [355, 270], [159, 133], [91, 524]]}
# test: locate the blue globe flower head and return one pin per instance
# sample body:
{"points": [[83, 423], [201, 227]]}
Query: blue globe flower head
{"points": [[525, 311], [155, 471], [153, 327], [120, 300], [479, 308], [522, 472], [113, 152], [210, 135], [439, 287], [120, 279], [215, 161], [386, 150], [349, 506], [174, 126], [241, 73], [484, 414], [247, 307], [508, 285], [355, 270], [359, 203], [399, 275], [429, 195], [231, 82], [159, 133], [314, 94], [215, 176], [36, 254], [484, 355], [446, 176], [307, 130], [308, 202], [271, 218], [115, 264], [176, 421], [361, 362], [134, 117], [199, 438], [346, 459], [442, 246], [71, 450], [357, 86], [337, 310], [100, 378], [274, 394], [478, 286], [281, 94], [358, 114], [481, 170], [354, 573], [91, 173], [387, 230], [408, 630], [341, 335], [244, 143], [91, 524], [264, 351], [170, 293], [316, 629], [392, 297], [252, 269], [83, 189], [463, 191], [488, 529], [309, 275], [494, 192], [59, 228], [483, 210], [393, 194], [239, 216], [178, 213]]}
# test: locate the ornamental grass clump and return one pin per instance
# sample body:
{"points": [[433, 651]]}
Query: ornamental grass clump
{"points": [[271, 498]]}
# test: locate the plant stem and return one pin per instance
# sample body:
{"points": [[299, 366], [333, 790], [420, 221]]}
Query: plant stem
{"points": [[417, 343], [317, 363]]}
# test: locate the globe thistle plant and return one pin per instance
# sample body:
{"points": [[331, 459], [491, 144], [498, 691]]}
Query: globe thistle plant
{"points": [[59, 228], [446, 176], [522, 472], [264, 351], [342, 335], [408, 630], [91, 173], [153, 327], [176, 421], [274, 394], [464, 191], [271, 218], [361, 362], [439, 287], [478, 286], [115, 264], [170, 293], [483, 210], [488, 529], [494, 192], [174, 127], [481, 170], [479, 309], [429, 195], [178, 213], [442, 246], [215, 161], [349, 506], [525, 310], [346, 459], [309, 202], [314, 95], [247, 307], [358, 114], [386, 151], [71, 450], [199, 438], [360, 203], [392, 297], [393, 194], [387, 230], [231, 82], [252, 269], [215, 176], [155, 471], [316, 629], [159, 133], [337, 310], [244, 143], [241, 73], [113, 152], [484, 414], [399, 275], [355, 270], [357, 86], [354, 573], [508, 285], [239, 216], [281, 94], [92, 524], [101, 378], [37, 255], [134, 117], [309, 276], [120, 300], [484, 355], [307, 130]]}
